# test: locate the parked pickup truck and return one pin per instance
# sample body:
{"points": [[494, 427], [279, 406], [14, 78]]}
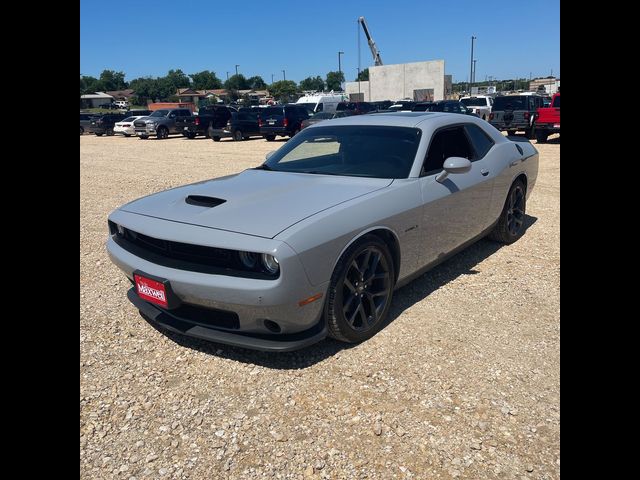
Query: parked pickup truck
{"points": [[160, 123], [480, 105], [209, 117], [548, 120]]}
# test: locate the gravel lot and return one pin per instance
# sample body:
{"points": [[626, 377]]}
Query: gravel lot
{"points": [[463, 383]]}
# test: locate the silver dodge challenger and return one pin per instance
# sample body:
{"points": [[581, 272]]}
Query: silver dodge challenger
{"points": [[314, 241]]}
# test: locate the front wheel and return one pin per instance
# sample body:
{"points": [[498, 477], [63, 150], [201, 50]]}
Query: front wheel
{"points": [[510, 226], [162, 133], [511, 133], [190, 135], [360, 291], [215, 139], [127, 134], [270, 138], [237, 136], [110, 132], [99, 134], [143, 137]]}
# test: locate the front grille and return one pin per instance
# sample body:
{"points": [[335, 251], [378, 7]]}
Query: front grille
{"points": [[140, 124], [184, 256], [208, 317]]}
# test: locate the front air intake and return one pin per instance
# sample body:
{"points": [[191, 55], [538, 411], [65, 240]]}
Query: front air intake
{"points": [[203, 201]]}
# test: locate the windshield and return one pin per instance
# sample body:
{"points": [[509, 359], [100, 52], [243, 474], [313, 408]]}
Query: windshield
{"points": [[510, 103], [556, 102], [269, 111], [129, 119], [159, 113], [353, 150], [474, 102]]}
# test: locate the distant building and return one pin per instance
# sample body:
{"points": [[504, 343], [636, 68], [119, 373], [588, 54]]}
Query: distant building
{"points": [[549, 84], [189, 95], [125, 94], [95, 100]]}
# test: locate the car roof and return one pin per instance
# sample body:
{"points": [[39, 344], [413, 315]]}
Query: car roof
{"points": [[391, 119]]}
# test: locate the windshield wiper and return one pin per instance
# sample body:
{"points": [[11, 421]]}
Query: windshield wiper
{"points": [[318, 172], [264, 166]]}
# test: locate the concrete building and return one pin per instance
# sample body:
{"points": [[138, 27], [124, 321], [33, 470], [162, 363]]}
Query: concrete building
{"points": [[94, 100], [417, 81], [550, 85]]}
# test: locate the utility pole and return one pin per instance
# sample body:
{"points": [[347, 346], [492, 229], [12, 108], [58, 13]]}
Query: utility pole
{"points": [[284, 75], [339, 63], [237, 69], [474, 71], [227, 75], [272, 78], [471, 67]]}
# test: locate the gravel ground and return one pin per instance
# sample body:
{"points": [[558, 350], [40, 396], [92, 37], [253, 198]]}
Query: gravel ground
{"points": [[463, 383]]}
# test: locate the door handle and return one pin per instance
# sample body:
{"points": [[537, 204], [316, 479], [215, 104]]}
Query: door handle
{"points": [[484, 172], [514, 163]]}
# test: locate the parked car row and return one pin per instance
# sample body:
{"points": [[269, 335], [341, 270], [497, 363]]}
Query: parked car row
{"points": [[510, 113]]}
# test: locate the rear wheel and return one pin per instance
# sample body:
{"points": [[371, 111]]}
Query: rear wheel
{"points": [[127, 134], [81, 130], [99, 134], [360, 291], [511, 133], [531, 133], [270, 138], [295, 132], [541, 136], [143, 137], [162, 133], [237, 135], [215, 139], [190, 135], [510, 226], [110, 132]]}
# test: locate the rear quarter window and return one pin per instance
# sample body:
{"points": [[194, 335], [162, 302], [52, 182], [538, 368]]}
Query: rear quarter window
{"points": [[480, 141]]}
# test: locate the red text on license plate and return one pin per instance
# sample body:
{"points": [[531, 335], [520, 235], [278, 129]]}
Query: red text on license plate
{"points": [[151, 291]]}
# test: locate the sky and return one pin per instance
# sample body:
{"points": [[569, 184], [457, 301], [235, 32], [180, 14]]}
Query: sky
{"points": [[148, 38]]}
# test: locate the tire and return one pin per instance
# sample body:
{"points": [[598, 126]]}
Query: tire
{"points": [[143, 137], [127, 134], [541, 136], [99, 134], [162, 133], [81, 130], [110, 132], [531, 133], [484, 117], [190, 135], [510, 226], [349, 318], [246, 138], [295, 132], [215, 139], [270, 138], [237, 136], [511, 133]]}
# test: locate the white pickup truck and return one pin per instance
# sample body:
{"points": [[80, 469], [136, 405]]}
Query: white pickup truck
{"points": [[480, 105]]}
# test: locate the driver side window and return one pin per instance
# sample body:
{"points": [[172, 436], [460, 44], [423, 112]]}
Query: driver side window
{"points": [[451, 142]]}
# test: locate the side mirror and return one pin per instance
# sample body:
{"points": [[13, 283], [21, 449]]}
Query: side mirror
{"points": [[269, 154], [172, 115], [453, 165]]}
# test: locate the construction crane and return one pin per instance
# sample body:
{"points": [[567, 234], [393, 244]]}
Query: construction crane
{"points": [[372, 45]]}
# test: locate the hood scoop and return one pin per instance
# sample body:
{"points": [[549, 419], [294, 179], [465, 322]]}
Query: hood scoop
{"points": [[204, 201]]}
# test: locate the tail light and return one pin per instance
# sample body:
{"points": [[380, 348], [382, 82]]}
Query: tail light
{"points": [[526, 115], [197, 120], [229, 124], [286, 122], [491, 116], [259, 122]]}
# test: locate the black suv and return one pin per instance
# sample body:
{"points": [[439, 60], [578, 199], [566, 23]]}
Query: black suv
{"points": [[240, 126], [105, 123], [283, 120], [516, 113], [358, 108], [85, 121], [449, 106]]}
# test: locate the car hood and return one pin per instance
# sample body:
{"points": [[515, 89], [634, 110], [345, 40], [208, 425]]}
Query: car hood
{"points": [[254, 202]]}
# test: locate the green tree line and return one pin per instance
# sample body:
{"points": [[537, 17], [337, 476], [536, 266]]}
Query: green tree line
{"points": [[164, 88]]}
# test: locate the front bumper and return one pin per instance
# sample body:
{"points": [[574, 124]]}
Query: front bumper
{"points": [[264, 342], [125, 130], [252, 300], [147, 130]]}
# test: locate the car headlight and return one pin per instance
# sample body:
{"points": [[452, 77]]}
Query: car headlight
{"points": [[269, 263], [248, 259]]}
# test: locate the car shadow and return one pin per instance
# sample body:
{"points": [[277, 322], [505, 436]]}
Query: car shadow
{"points": [[462, 263]]}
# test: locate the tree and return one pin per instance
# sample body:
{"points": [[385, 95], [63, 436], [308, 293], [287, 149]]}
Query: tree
{"points": [[237, 82], [111, 80], [283, 90], [363, 76], [256, 83], [88, 84], [177, 79], [205, 80], [312, 83], [334, 79]]}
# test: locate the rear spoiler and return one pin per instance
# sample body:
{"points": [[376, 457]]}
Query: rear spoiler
{"points": [[513, 138]]}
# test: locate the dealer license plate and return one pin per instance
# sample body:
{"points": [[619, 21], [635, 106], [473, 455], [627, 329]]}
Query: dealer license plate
{"points": [[151, 290]]}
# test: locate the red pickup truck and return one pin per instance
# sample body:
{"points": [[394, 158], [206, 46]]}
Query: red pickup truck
{"points": [[548, 120]]}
